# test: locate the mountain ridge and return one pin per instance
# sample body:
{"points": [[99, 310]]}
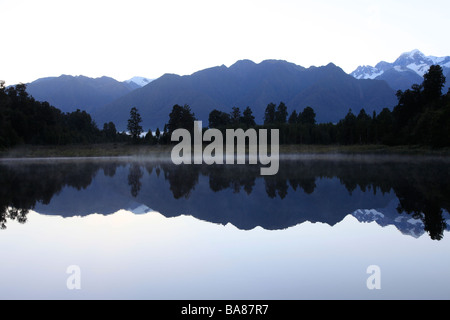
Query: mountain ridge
{"points": [[69, 93], [408, 69], [327, 89], [138, 82]]}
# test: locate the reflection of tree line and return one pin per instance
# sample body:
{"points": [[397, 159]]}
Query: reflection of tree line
{"points": [[423, 190], [22, 186]]}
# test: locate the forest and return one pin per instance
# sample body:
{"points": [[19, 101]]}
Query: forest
{"points": [[421, 117], [23, 120]]}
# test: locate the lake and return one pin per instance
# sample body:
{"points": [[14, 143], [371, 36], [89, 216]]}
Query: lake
{"points": [[324, 227]]}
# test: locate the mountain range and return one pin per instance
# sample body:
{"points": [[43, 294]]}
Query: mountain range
{"points": [[69, 93], [327, 89], [138, 82], [407, 70]]}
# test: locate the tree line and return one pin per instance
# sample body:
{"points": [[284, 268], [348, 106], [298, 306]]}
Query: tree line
{"points": [[421, 117], [23, 120]]}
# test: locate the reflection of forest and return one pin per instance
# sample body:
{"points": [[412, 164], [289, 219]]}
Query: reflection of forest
{"points": [[422, 188]]}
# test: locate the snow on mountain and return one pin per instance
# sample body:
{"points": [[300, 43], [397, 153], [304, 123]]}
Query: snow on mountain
{"points": [[140, 81], [141, 209], [414, 61], [420, 69], [405, 223], [366, 72]]}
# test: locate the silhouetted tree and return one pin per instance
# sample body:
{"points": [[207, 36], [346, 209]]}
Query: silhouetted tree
{"points": [[347, 129], [422, 115], [110, 131], [235, 116], [281, 113], [247, 118], [384, 127], [433, 83], [218, 119], [269, 114], [134, 124], [149, 138], [180, 117], [308, 116], [293, 118], [363, 126]]}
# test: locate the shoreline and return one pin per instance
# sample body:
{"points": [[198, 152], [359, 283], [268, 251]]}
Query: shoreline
{"points": [[124, 150]]}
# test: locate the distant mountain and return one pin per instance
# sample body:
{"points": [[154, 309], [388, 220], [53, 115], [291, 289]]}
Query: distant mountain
{"points": [[138, 82], [328, 90], [69, 93], [407, 70]]}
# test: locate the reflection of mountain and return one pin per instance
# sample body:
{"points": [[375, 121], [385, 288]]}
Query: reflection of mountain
{"points": [[309, 190], [406, 224], [217, 196]]}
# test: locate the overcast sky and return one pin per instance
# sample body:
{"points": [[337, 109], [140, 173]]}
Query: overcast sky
{"points": [[127, 38]]}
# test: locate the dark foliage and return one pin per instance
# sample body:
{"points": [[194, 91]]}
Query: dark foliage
{"points": [[421, 117], [23, 120]]}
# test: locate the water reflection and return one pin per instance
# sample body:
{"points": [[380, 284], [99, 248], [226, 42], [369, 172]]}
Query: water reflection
{"points": [[22, 185], [316, 190], [134, 179]]}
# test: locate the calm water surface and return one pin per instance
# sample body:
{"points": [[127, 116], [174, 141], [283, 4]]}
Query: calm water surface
{"points": [[145, 229]]}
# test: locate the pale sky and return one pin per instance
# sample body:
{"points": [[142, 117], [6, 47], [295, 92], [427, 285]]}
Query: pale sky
{"points": [[122, 39]]}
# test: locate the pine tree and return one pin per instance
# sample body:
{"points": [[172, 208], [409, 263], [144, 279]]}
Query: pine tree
{"points": [[247, 118], [235, 116], [281, 113], [308, 116], [433, 83], [134, 124], [293, 118], [269, 114]]}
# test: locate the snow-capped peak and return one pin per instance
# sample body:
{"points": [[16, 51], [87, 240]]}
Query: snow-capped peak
{"points": [[414, 61], [140, 81], [413, 53], [366, 72], [414, 57]]}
